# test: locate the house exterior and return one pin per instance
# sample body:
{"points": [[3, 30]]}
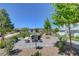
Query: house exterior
{"points": [[74, 30]]}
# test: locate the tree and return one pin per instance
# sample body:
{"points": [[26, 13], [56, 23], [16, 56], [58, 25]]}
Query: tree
{"points": [[24, 32], [66, 14], [25, 29], [36, 30], [47, 26], [5, 23], [55, 30]]}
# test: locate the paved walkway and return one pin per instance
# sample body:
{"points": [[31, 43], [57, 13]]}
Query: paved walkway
{"points": [[28, 49], [46, 43], [75, 44], [10, 35]]}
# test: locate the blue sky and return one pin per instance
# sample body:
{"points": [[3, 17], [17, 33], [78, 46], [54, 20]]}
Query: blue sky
{"points": [[28, 15]]}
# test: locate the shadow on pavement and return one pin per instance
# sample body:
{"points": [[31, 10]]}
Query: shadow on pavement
{"points": [[66, 49], [15, 52]]}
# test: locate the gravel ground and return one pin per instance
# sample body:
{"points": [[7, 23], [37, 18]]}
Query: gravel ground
{"points": [[46, 51]]}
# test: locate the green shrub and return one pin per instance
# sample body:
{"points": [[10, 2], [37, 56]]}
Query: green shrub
{"points": [[77, 37], [9, 46], [37, 54], [61, 44], [15, 39], [2, 43], [24, 34]]}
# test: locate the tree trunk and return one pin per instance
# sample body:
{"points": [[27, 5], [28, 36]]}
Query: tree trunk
{"points": [[2, 36], [70, 47]]}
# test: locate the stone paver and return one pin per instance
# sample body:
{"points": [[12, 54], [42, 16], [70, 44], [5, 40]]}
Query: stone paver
{"points": [[46, 43], [27, 49]]}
